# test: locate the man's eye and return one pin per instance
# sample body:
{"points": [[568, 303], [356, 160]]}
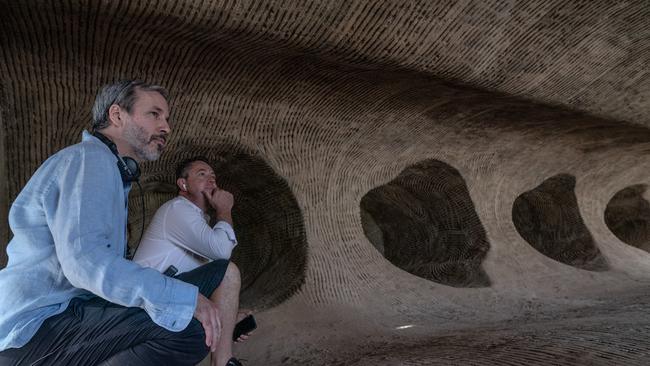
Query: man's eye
{"points": [[155, 114]]}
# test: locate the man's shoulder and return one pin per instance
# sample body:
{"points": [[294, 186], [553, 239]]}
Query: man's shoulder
{"points": [[175, 210], [179, 206], [178, 202], [88, 150], [171, 204], [84, 150]]}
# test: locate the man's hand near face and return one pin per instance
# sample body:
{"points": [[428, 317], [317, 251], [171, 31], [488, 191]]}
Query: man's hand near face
{"points": [[221, 201]]}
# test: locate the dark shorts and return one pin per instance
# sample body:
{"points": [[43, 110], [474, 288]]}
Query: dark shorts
{"points": [[206, 277], [98, 332]]}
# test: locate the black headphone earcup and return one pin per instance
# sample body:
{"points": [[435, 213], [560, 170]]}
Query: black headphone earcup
{"points": [[134, 168], [128, 167]]}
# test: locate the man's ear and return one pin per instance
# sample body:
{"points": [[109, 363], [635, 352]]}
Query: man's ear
{"points": [[182, 184], [115, 115]]}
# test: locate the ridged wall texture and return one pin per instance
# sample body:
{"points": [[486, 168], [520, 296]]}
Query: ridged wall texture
{"points": [[510, 139]]}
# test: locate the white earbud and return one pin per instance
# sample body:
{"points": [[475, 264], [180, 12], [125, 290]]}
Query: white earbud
{"points": [[184, 187]]}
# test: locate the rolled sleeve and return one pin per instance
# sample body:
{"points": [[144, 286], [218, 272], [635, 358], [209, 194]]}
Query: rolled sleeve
{"points": [[228, 230]]}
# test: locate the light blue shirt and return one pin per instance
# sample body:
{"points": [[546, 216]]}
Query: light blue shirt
{"points": [[69, 226]]}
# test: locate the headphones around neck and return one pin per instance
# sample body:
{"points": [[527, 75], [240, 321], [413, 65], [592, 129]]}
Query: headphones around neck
{"points": [[128, 167], [130, 172]]}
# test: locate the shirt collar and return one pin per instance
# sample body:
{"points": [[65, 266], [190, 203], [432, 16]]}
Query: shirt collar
{"points": [[195, 207], [87, 136]]}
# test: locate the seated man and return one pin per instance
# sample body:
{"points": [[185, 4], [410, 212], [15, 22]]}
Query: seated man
{"points": [[180, 238], [70, 297]]}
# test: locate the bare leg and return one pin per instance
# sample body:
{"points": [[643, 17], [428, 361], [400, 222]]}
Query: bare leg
{"points": [[226, 296]]}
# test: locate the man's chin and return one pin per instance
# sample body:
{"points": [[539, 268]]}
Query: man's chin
{"points": [[151, 155]]}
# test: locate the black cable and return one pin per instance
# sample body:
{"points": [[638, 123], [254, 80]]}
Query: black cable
{"points": [[130, 256]]}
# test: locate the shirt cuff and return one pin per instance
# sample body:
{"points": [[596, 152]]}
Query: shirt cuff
{"points": [[230, 232], [179, 310]]}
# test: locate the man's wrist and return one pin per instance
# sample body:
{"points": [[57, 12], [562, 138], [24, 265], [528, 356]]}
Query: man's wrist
{"points": [[226, 216]]}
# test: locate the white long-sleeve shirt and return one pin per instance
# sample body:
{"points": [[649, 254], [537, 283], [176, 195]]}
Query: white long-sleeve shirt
{"points": [[179, 235]]}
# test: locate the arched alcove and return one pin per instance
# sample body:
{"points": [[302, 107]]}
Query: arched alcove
{"points": [[548, 218], [628, 216], [425, 223], [272, 249]]}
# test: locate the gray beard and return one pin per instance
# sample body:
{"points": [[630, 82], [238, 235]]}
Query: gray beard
{"points": [[137, 138]]}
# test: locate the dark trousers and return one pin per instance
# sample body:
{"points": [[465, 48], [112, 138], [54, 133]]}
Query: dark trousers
{"points": [[97, 332]]}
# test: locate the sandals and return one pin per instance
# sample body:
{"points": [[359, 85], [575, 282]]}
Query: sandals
{"points": [[233, 362]]}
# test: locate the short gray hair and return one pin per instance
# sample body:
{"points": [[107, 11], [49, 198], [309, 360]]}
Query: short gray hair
{"points": [[121, 93]]}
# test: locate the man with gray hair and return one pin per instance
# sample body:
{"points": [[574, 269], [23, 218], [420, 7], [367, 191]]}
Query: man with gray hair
{"points": [[70, 295]]}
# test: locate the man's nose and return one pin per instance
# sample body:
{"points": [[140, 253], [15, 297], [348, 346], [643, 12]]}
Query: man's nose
{"points": [[164, 127]]}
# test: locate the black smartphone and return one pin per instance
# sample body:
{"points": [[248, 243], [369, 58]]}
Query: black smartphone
{"points": [[244, 326], [170, 271]]}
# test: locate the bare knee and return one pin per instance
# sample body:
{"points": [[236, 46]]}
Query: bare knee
{"points": [[232, 274], [230, 283]]}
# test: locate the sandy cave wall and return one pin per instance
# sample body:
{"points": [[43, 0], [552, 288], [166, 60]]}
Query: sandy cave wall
{"points": [[4, 197], [334, 133], [628, 214], [331, 131]]}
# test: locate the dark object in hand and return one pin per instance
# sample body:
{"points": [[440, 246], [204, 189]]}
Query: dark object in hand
{"points": [[170, 271], [244, 326]]}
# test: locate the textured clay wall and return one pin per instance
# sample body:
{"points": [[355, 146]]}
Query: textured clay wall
{"points": [[419, 183], [4, 197]]}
